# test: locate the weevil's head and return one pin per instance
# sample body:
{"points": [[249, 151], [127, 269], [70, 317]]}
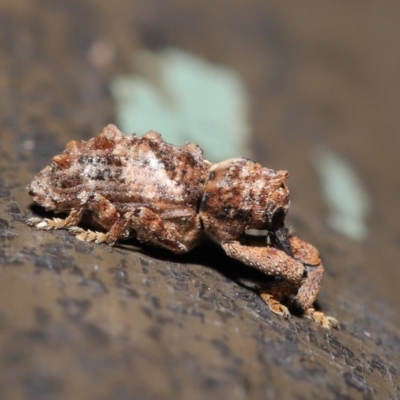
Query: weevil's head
{"points": [[276, 210], [275, 198]]}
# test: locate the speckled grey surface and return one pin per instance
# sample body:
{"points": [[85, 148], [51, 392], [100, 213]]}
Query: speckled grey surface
{"points": [[79, 320]]}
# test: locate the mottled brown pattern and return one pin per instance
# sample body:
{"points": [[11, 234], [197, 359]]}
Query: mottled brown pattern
{"points": [[168, 196], [241, 195]]}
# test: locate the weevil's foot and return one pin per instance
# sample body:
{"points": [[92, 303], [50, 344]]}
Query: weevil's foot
{"points": [[33, 221], [90, 236], [275, 306], [46, 224], [322, 319]]}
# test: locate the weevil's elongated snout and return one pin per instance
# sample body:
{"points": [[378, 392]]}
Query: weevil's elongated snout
{"points": [[281, 239]]}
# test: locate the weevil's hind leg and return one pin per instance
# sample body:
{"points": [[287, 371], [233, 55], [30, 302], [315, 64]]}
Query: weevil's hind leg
{"points": [[103, 212], [46, 224], [106, 215]]}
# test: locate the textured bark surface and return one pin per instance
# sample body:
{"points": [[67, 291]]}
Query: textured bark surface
{"points": [[79, 320]]}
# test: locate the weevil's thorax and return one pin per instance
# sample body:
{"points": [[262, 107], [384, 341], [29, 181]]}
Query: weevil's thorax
{"points": [[240, 195]]}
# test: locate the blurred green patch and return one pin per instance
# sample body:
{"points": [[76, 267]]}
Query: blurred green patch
{"points": [[186, 99], [344, 193]]}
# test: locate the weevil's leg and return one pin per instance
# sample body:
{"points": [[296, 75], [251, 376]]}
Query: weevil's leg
{"points": [[269, 260], [311, 285], [276, 292], [151, 228], [310, 288], [274, 305], [107, 216], [304, 252], [101, 207], [118, 231], [296, 278], [45, 224], [307, 293], [322, 319]]}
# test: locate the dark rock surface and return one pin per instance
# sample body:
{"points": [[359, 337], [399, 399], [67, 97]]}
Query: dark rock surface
{"points": [[85, 321]]}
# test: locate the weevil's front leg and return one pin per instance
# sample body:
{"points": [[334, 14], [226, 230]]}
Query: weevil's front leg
{"points": [[308, 255], [306, 295], [273, 262], [296, 278], [269, 260], [274, 293]]}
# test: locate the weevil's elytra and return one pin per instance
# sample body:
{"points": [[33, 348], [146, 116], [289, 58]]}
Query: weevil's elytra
{"points": [[171, 196]]}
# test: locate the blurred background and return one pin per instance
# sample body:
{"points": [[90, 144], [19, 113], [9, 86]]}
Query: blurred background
{"points": [[308, 87]]}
